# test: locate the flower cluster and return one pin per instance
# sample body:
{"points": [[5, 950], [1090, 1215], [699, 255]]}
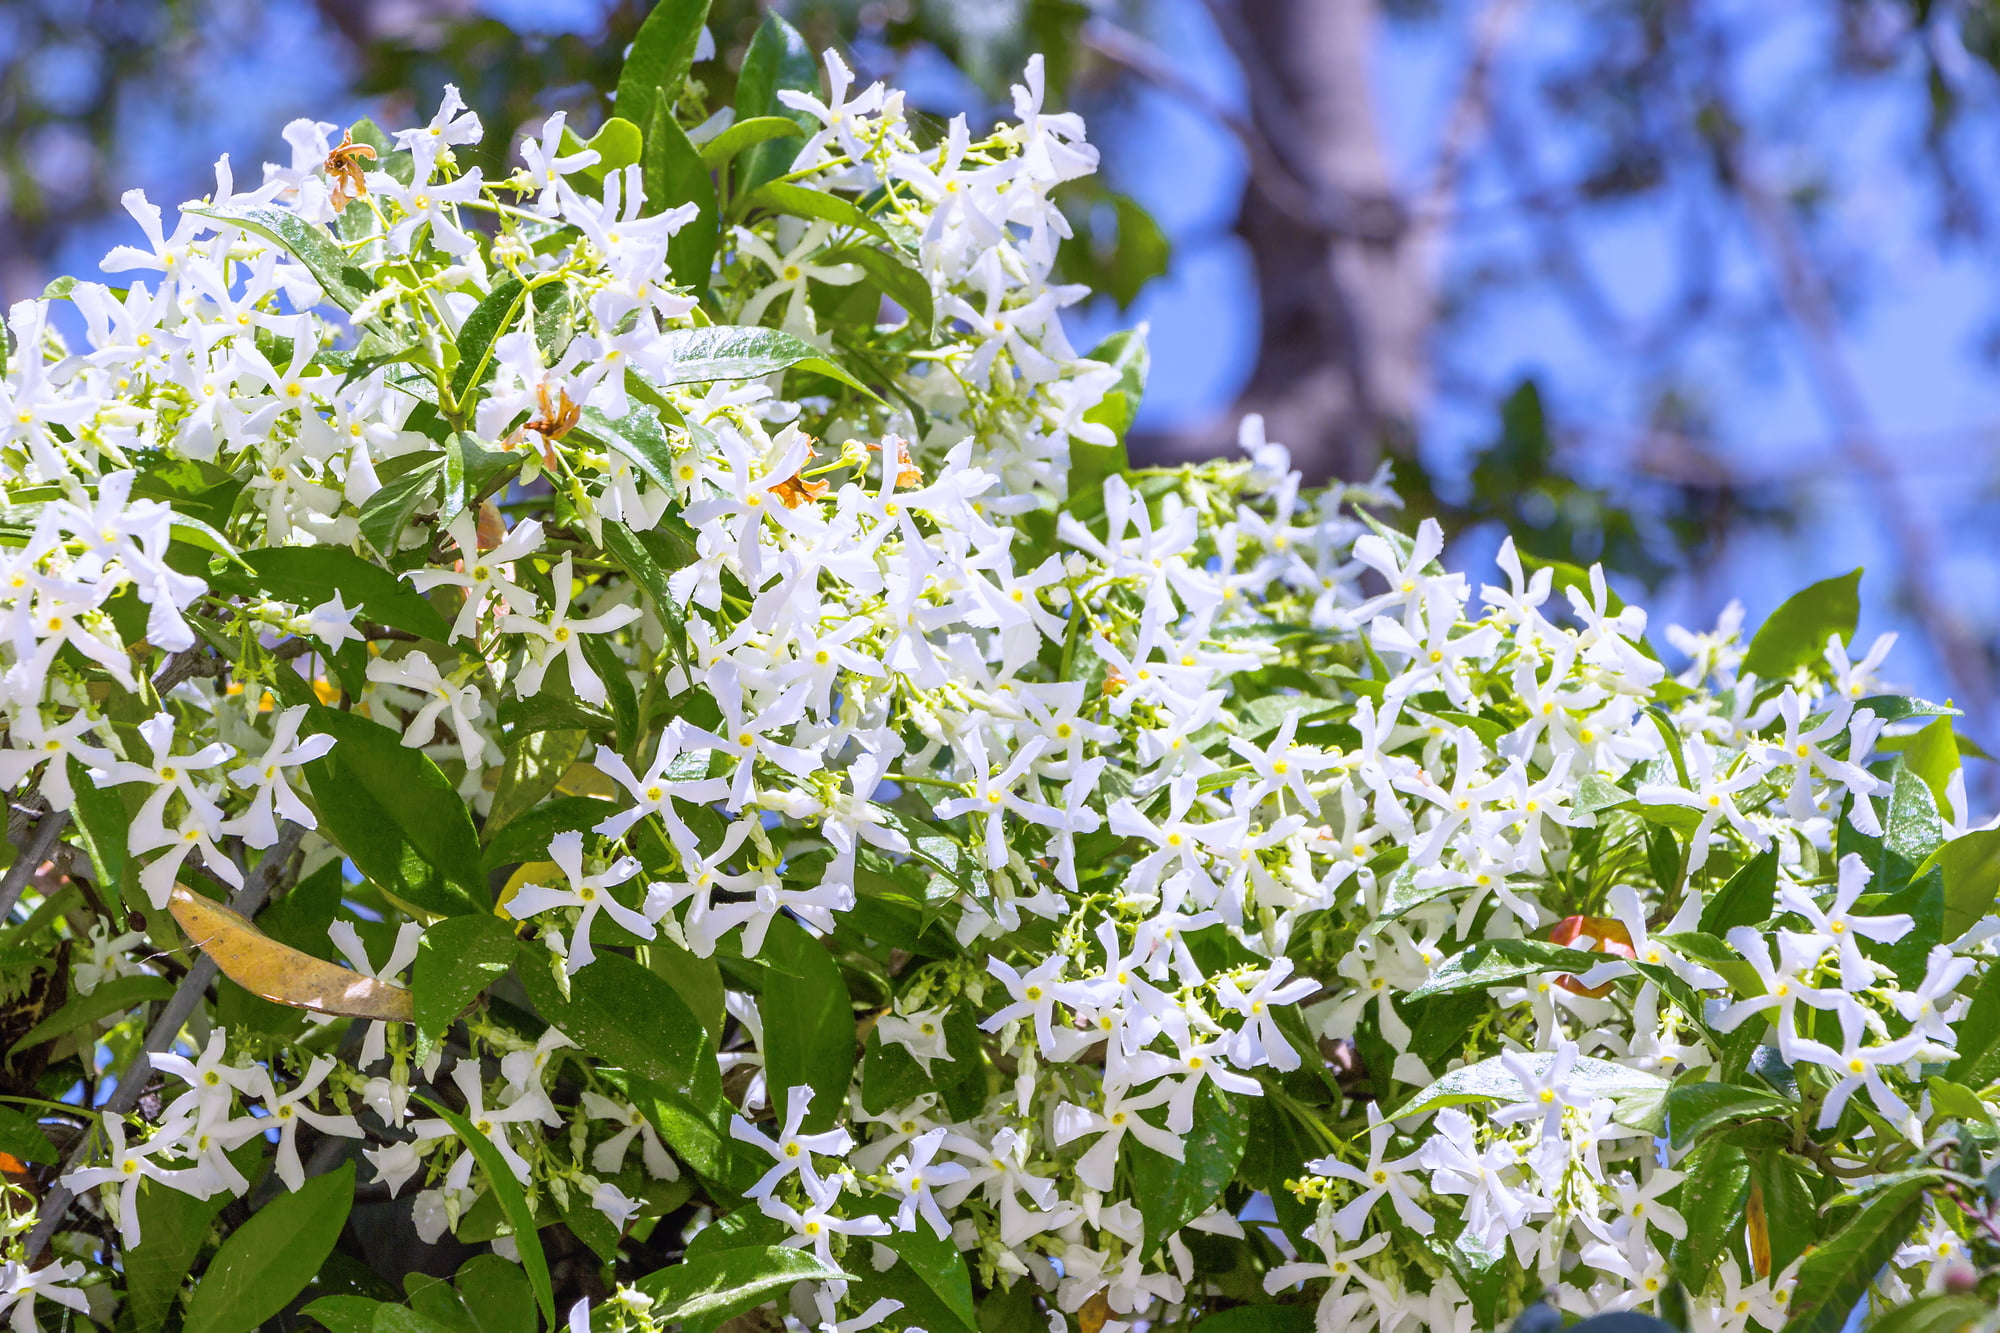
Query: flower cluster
{"points": [[686, 609]]}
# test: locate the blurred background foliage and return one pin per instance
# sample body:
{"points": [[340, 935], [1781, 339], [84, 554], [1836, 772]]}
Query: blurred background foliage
{"points": [[1696, 287]]}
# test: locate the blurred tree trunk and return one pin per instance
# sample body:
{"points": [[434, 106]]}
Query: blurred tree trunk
{"points": [[1343, 287]]}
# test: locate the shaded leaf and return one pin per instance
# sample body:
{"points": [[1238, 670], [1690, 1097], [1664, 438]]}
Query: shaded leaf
{"points": [[269, 1259], [513, 1202]]}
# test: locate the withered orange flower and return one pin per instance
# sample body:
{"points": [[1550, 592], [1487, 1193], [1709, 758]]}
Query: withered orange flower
{"points": [[343, 164], [906, 468], [795, 490]]}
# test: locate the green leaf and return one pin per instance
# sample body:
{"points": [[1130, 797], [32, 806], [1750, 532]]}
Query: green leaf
{"points": [[388, 512], [674, 174], [457, 958], [489, 319], [1125, 352], [1955, 1101], [1712, 1200], [1932, 754], [1490, 1080], [1695, 1108], [269, 1259], [1171, 1194], [1747, 899], [513, 1202], [1978, 1061], [111, 997], [1259, 1319], [472, 472], [1796, 633], [662, 50], [376, 777], [777, 58], [1791, 1215], [1940, 1312], [943, 1287], [899, 281], [173, 1230], [1493, 962], [345, 284], [638, 435], [21, 1136], [340, 1314], [715, 1287], [748, 133], [309, 575], [617, 143], [808, 1024], [398, 1319], [535, 763], [1971, 866], [1835, 1277], [730, 352], [497, 1295], [803, 202], [619, 1012], [104, 823]]}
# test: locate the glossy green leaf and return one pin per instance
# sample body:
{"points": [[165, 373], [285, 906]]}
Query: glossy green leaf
{"points": [[1940, 1312], [269, 1259], [535, 763], [638, 435], [1712, 1199], [387, 513], [1971, 866], [344, 1314], [1978, 1062], [493, 316], [1747, 898], [931, 1277], [345, 283], [619, 1012], [777, 58], [897, 279], [655, 66], [1834, 1277], [173, 1230], [1495, 962], [369, 777], [1491, 1080], [309, 575], [1171, 1194], [808, 1024], [1796, 633], [727, 353], [1695, 1108], [719, 1286], [803, 202], [674, 175], [104, 824], [748, 133], [457, 959], [513, 1202]]}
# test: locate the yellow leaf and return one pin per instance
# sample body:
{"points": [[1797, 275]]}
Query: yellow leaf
{"points": [[280, 973], [531, 872]]}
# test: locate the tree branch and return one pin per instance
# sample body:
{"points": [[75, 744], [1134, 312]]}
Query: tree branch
{"points": [[256, 891]]}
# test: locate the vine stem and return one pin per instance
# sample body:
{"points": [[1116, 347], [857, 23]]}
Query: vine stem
{"points": [[166, 1028]]}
